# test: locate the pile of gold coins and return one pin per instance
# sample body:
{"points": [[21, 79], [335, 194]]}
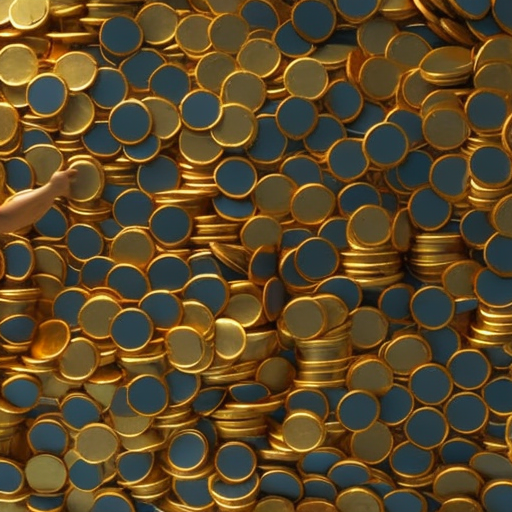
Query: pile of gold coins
{"points": [[282, 281]]}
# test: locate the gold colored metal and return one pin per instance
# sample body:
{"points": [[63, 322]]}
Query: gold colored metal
{"points": [[77, 69], [303, 431], [306, 78], [46, 473], [18, 64]]}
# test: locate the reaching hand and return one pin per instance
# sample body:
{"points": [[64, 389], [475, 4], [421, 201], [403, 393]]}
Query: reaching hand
{"points": [[60, 182]]}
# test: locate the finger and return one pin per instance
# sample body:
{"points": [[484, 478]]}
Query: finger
{"points": [[69, 170]]}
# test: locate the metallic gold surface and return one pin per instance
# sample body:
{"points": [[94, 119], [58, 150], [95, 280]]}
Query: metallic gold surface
{"points": [[281, 279]]}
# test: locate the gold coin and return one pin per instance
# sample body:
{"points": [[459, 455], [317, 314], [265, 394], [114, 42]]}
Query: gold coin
{"points": [[185, 347], [46, 473], [260, 56], [228, 32], [77, 69], [303, 431], [96, 443], [230, 339], [158, 22], [356, 498], [237, 127], [304, 318], [51, 339], [370, 226], [306, 78], [18, 64]]}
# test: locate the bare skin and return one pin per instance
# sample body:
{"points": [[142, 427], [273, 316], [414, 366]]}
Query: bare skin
{"points": [[26, 207]]}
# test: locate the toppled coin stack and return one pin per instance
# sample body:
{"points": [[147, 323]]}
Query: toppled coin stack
{"points": [[282, 281]]}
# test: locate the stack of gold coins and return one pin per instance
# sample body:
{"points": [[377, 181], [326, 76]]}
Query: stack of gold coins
{"points": [[491, 326], [432, 253], [320, 329], [372, 260]]}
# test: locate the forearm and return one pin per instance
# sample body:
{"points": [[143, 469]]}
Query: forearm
{"points": [[25, 208]]}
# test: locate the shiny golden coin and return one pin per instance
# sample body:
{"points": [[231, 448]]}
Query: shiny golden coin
{"points": [[158, 22], [303, 431], [312, 204], [230, 339], [165, 116], [199, 148], [494, 75], [379, 77], [245, 308], [359, 498], [237, 127], [274, 504], [16, 95], [88, 184], [77, 69], [198, 316], [273, 194], [414, 88], [465, 480], [46, 473], [51, 339], [96, 315], [370, 226], [335, 309], [96, 443], [260, 56], [46, 160], [9, 126], [407, 49], [212, 69], [371, 374], [185, 347], [458, 278], [244, 88], [406, 352], [228, 32], [277, 373], [372, 445], [374, 35], [369, 327], [18, 64], [461, 504], [501, 216], [445, 128], [78, 114], [27, 15], [306, 78], [79, 360], [192, 33], [315, 505], [447, 63], [304, 318], [259, 231]]}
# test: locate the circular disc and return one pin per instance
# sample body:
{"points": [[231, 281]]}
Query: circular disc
{"points": [[147, 395], [46, 473], [306, 78], [370, 226], [96, 443], [89, 181], [303, 431]]}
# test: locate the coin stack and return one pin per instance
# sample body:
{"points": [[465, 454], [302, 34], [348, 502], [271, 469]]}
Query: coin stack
{"points": [[433, 253], [491, 326], [371, 260]]}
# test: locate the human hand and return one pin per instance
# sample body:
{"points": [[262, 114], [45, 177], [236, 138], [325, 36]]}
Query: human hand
{"points": [[60, 182]]}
